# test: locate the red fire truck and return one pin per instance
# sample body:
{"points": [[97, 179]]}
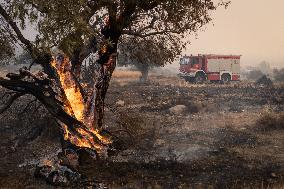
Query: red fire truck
{"points": [[224, 68]]}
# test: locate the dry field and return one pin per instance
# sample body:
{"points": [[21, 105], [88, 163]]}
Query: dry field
{"points": [[216, 136], [126, 74]]}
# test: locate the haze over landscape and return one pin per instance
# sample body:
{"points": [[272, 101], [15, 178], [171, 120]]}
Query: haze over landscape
{"points": [[251, 28]]}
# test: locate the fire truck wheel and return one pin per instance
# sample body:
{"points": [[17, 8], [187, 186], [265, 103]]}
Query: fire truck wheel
{"points": [[199, 78], [226, 78]]}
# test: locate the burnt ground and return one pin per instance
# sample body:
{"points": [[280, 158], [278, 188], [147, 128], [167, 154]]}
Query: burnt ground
{"points": [[228, 136]]}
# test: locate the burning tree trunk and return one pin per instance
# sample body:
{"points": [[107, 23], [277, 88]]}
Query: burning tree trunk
{"points": [[78, 110], [80, 105], [65, 104], [58, 88]]}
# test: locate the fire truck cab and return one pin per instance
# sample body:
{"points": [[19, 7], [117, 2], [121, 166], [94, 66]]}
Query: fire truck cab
{"points": [[224, 68]]}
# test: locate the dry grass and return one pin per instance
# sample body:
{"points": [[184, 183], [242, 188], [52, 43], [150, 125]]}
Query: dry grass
{"points": [[126, 74]]}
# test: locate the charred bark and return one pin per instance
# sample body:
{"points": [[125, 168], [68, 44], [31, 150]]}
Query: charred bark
{"points": [[102, 86]]}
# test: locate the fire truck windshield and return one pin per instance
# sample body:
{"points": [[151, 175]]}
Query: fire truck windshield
{"points": [[189, 60], [184, 61]]}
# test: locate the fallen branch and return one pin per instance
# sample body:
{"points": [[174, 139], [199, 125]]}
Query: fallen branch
{"points": [[46, 95]]}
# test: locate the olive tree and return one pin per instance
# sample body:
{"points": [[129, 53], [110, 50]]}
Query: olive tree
{"points": [[82, 28], [146, 53]]}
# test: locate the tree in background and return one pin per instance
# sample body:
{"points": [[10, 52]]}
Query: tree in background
{"points": [[254, 75], [82, 28], [264, 67], [146, 53]]}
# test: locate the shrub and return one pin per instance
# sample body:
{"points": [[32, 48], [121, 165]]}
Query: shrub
{"points": [[279, 75], [270, 122]]}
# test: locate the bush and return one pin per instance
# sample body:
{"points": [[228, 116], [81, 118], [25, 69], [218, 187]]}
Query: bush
{"points": [[255, 75], [270, 122], [279, 75]]}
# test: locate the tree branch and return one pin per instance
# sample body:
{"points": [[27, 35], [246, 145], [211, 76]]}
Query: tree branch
{"points": [[16, 29], [46, 95], [154, 19], [125, 16], [148, 5]]}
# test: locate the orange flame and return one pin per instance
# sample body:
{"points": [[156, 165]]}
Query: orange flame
{"points": [[75, 106]]}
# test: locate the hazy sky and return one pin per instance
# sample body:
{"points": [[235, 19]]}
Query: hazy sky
{"points": [[252, 28]]}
